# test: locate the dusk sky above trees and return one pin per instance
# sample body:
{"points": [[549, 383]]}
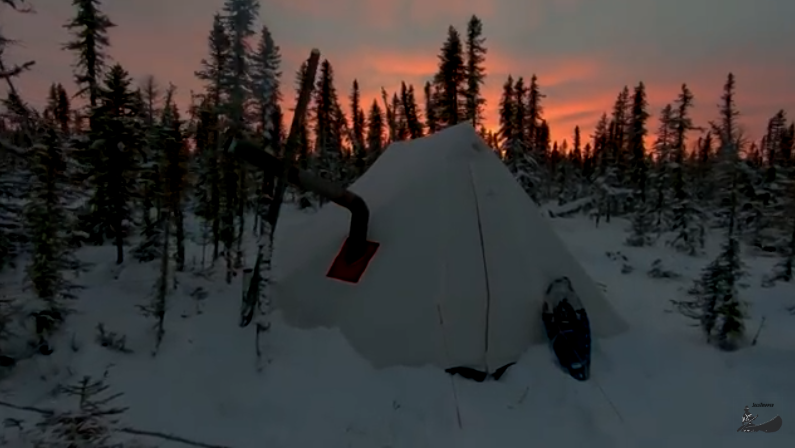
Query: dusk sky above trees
{"points": [[583, 52]]}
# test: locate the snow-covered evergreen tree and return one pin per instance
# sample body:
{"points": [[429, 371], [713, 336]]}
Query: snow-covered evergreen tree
{"points": [[208, 138], [116, 136], [717, 304], [687, 219], [91, 424], [49, 225], [661, 176], [14, 177]]}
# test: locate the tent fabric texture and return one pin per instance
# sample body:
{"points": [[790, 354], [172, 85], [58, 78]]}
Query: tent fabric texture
{"points": [[459, 276]]}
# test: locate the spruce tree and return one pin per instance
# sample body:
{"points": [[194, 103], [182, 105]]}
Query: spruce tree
{"points": [[703, 167], [414, 126], [391, 118], [686, 217], [401, 122], [89, 28], [213, 74], [618, 141], [729, 164], [663, 159], [265, 79], [63, 109], [636, 141], [431, 119], [450, 79], [358, 119], [508, 132], [768, 185], [475, 72], [58, 108], [117, 136], [48, 223], [175, 172], [266, 94], [576, 150], [726, 129], [149, 177], [642, 220], [716, 303], [14, 179], [347, 173], [239, 17], [518, 146], [605, 175], [375, 131], [535, 143], [328, 140]]}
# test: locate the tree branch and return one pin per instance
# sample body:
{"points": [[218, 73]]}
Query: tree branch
{"points": [[16, 70], [164, 436], [27, 408], [12, 149]]}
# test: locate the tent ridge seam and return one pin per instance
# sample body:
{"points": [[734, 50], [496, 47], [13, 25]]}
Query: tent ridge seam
{"points": [[485, 266]]}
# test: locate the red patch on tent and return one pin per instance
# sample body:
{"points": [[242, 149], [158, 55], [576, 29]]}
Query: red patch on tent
{"points": [[351, 272]]}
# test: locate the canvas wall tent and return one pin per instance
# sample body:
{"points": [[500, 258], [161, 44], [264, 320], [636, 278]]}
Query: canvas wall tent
{"points": [[464, 260]]}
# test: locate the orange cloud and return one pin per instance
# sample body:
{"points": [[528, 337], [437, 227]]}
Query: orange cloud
{"points": [[376, 68], [578, 87], [550, 71]]}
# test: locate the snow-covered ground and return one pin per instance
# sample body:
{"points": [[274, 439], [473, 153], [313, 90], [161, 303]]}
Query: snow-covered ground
{"points": [[659, 385]]}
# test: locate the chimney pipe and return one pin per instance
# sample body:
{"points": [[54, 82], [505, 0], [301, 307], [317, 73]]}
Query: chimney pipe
{"points": [[272, 166]]}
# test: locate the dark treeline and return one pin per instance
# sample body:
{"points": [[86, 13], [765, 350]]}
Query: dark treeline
{"points": [[128, 166]]}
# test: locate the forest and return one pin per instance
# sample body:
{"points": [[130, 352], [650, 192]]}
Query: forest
{"points": [[110, 160]]}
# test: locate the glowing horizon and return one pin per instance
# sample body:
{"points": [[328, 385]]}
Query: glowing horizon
{"points": [[583, 54]]}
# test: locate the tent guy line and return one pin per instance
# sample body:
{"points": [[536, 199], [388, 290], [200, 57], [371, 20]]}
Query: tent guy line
{"points": [[452, 377]]}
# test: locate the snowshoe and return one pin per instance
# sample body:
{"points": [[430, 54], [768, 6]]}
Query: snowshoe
{"points": [[567, 328]]}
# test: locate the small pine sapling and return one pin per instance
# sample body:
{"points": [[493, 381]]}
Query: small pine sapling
{"points": [[90, 424], [157, 305], [641, 228], [716, 304], [111, 340]]}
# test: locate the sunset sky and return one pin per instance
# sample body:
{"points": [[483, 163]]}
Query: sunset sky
{"points": [[583, 52]]}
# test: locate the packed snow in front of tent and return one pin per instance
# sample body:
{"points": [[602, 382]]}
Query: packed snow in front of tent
{"points": [[657, 384], [463, 263]]}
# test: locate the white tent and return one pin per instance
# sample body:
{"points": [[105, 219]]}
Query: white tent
{"points": [[464, 260]]}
